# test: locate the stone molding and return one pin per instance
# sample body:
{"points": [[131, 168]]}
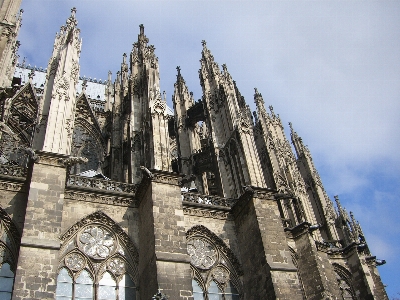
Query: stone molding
{"points": [[172, 257], [12, 186], [199, 212], [104, 220], [51, 159], [40, 243], [166, 177], [102, 199], [202, 231]]}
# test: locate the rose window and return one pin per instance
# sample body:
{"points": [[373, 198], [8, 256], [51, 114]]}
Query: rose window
{"points": [[202, 254], [96, 242]]}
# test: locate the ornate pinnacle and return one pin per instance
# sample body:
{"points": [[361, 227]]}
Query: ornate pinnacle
{"points": [[178, 68], [271, 108], [225, 68], [31, 75], [203, 43], [73, 12], [84, 85]]}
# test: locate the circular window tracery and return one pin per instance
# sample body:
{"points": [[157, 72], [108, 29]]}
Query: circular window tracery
{"points": [[97, 242], [202, 254], [75, 261]]}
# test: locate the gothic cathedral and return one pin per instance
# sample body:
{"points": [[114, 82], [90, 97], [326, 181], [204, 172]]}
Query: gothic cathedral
{"points": [[107, 193]]}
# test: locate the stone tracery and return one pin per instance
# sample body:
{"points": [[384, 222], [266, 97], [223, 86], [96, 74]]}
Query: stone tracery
{"points": [[214, 266], [97, 247]]}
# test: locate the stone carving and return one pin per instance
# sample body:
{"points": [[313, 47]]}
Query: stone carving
{"points": [[208, 199], [75, 261], [72, 160], [95, 198], [206, 213], [101, 218], [96, 242], [117, 266], [202, 253], [200, 231], [220, 274]]}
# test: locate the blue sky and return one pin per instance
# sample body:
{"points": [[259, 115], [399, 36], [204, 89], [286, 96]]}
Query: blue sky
{"points": [[329, 67]]}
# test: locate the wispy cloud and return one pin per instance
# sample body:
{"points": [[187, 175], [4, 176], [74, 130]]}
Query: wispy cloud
{"points": [[330, 67]]}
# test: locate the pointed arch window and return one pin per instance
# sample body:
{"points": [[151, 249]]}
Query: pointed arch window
{"points": [[6, 281], [9, 246], [98, 261], [215, 270]]}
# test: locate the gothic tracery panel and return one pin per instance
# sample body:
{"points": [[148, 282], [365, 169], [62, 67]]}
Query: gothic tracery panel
{"points": [[85, 143], [97, 258], [215, 269], [9, 245]]}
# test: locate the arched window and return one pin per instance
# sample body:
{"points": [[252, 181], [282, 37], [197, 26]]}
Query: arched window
{"points": [[344, 279], [6, 281], [9, 246], [98, 261], [215, 269]]}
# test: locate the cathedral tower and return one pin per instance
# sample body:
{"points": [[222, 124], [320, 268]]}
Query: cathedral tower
{"points": [[10, 22]]}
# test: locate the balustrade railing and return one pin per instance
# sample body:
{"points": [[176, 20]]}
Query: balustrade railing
{"points": [[11, 170], [207, 199], [102, 184]]}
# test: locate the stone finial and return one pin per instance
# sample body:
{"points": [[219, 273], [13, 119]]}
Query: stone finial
{"points": [[73, 11], [141, 27], [224, 68], [271, 108], [84, 85], [178, 68], [124, 58], [204, 43], [31, 75], [109, 76], [291, 127]]}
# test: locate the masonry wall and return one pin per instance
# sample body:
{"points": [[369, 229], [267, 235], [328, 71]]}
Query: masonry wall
{"points": [[223, 228], [13, 199], [36, 278], [163, 237], [126, 217]]}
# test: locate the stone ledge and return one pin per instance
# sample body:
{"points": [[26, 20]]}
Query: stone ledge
{"points": [[34, 242], [172, 257], [282, 267]]}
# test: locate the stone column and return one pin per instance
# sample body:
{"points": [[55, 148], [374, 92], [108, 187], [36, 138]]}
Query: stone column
{"points": [[267, 265], [163, 260], [38, 256]]}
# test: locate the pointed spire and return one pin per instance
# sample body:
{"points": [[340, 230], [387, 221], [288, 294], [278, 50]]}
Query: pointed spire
{"points": [[297, 142], [142, 39], [258, 99], [71, 21], [271, 109]]}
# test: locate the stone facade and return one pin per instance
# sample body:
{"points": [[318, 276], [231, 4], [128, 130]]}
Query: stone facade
{"points": [[120, 196]]}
